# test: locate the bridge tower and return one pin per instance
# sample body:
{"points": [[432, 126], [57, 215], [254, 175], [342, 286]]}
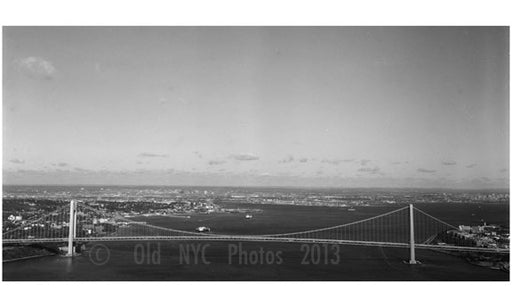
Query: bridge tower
{"points": [[412, 259], [72, 227]]}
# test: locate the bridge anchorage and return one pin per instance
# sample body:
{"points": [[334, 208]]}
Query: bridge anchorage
{"points": [[406, 227]]}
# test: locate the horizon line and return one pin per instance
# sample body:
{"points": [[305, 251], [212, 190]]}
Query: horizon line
{"points": [[262, 186]]}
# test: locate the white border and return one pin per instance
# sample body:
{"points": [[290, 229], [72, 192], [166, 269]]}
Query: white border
{"points": [[255, 12], [263, 12]]}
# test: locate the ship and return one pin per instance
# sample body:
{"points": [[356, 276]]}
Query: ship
{"points": [[203, 229], [248, 216]]}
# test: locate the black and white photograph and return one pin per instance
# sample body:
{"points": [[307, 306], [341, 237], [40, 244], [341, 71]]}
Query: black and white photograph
{"points": [[255, 153]]}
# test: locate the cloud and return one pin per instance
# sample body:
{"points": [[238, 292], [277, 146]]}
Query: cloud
{"points": [[471, 165], [371, 170], [198, 154], [17, 161], [328, 161], [152, 155], [216, 162], [163, 100], [365, 161], [424, 170], [287, 159], [303, 160], [230, 178], [449, 163], [244, 157], [98, 68], [336, 161], [399, 162], [82, 170], [37, 67]]}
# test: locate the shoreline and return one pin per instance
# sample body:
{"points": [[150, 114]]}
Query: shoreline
{"points": [[26, 258]]}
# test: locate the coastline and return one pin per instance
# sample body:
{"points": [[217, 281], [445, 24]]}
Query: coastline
{"points": [[26, 258]]}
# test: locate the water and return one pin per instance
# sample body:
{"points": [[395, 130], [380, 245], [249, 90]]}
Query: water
{"points": [[162, 260]]}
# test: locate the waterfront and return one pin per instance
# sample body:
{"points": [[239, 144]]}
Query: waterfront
{"points": [[355, 263]]}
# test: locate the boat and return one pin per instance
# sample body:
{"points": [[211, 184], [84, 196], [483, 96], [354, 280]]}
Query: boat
{"points": [[248, 216], [203, 229], [351, 209]]}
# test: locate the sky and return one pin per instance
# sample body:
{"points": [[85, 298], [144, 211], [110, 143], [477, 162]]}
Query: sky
{"points": [[265, 106]]}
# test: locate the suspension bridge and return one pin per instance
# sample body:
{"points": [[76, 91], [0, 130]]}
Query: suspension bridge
{"points": [[406, 227]]}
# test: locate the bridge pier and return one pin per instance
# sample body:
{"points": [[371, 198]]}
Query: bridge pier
{"points": [[72, 228], [412, 259]]}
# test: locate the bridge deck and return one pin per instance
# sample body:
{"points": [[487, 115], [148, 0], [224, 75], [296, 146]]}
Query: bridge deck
{"points": [[260, 239]]}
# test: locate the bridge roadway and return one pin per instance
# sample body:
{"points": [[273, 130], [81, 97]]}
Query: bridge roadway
{"points": [[231, 238]]}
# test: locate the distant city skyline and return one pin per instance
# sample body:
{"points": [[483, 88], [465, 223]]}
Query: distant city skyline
{"points": [[424, 107]]}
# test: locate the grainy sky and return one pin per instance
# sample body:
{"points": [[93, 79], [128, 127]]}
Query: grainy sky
{"points": [[300, 106]]}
